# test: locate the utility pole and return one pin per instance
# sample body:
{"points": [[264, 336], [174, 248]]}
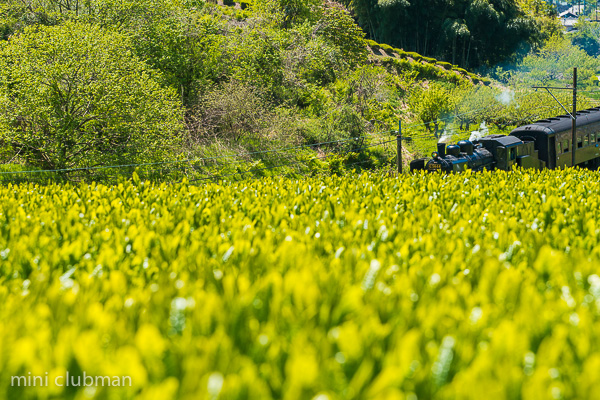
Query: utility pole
{"points": [[573, 115], [399, 147]]}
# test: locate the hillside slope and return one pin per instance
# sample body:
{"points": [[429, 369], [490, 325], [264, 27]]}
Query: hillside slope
{"points": [[243, 81]]}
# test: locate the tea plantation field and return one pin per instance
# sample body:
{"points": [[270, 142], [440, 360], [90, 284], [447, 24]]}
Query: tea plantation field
{"points": [[467, 286]]}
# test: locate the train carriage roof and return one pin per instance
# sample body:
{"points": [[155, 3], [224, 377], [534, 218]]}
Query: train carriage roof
{"points": [[560, 123], [501, 140]]}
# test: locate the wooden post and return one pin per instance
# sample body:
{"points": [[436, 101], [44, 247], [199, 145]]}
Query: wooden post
{"points": [[399, 148], [574, 119]]}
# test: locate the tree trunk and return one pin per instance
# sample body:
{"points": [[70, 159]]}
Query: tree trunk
{"points": [[426, 38], [373, 35], [464, 48], [454, 50], [468, 53], [417, 37]]}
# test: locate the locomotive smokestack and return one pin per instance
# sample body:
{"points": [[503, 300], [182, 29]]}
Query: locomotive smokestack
{"points": [[441, 149], [466, 147]]}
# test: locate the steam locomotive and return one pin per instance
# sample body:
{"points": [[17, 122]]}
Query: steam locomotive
{"points": [[544, 144]]}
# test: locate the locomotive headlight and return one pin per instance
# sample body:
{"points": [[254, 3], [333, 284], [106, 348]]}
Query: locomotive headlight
{"points": [[435, 154]]}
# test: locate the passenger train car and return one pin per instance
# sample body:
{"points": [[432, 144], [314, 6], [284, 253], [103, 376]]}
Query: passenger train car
{"points": [[544, 144]]}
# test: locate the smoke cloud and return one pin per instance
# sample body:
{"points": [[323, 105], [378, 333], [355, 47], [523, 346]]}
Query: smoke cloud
{"points": [[446, 137], [483, 131], [506, 97]]}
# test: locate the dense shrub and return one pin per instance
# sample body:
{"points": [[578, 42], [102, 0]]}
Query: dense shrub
{"points": [[387, 48], [371, 43], [75, 95], [415, 56]]}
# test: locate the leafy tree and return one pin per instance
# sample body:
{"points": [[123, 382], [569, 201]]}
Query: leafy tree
{"points": [[554, 62], [337, 27], [431, 104], [475, 104], [185, 45], [587, 36], [311, 61], [256, 59], [318, 52], [286, 13], [368, 88], [15, 16], [233, 112], [456, 31], [75, 95]]}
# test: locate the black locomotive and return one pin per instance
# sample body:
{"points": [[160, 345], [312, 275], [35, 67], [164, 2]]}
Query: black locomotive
{"points": [[544, 144]]}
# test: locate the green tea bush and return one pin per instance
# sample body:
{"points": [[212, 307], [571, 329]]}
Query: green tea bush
{"points": [[415, 56], [401, 53], [419, 286]]}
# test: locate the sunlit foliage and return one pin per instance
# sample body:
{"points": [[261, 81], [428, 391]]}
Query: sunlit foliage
{"points": [[423, 286]]}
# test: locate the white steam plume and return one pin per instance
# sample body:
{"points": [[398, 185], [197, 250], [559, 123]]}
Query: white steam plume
{"points": [[506, 97], [446, 137], [483, 131]]}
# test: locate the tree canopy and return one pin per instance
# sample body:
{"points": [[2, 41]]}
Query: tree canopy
{"points": [[553, 63], [587, 36], [74, 95], [470, 33]]}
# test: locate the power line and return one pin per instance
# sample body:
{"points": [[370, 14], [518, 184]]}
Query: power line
{"points": [[248, 154], [454, 131], [465, 113], [285, 164], [189, 160]]}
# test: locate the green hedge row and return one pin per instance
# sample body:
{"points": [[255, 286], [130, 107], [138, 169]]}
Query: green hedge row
{"points": [[419, 59], [425, 71]]}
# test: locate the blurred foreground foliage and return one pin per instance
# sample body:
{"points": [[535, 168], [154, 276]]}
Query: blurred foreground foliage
{"points": [[423, 286]]}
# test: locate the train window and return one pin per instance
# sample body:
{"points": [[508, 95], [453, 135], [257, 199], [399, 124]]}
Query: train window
{"points": [[579, 142], [585, 140], [566, 146], [513, 153], [501, 151], [598, 137], [559, 148], [592, 138]]}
